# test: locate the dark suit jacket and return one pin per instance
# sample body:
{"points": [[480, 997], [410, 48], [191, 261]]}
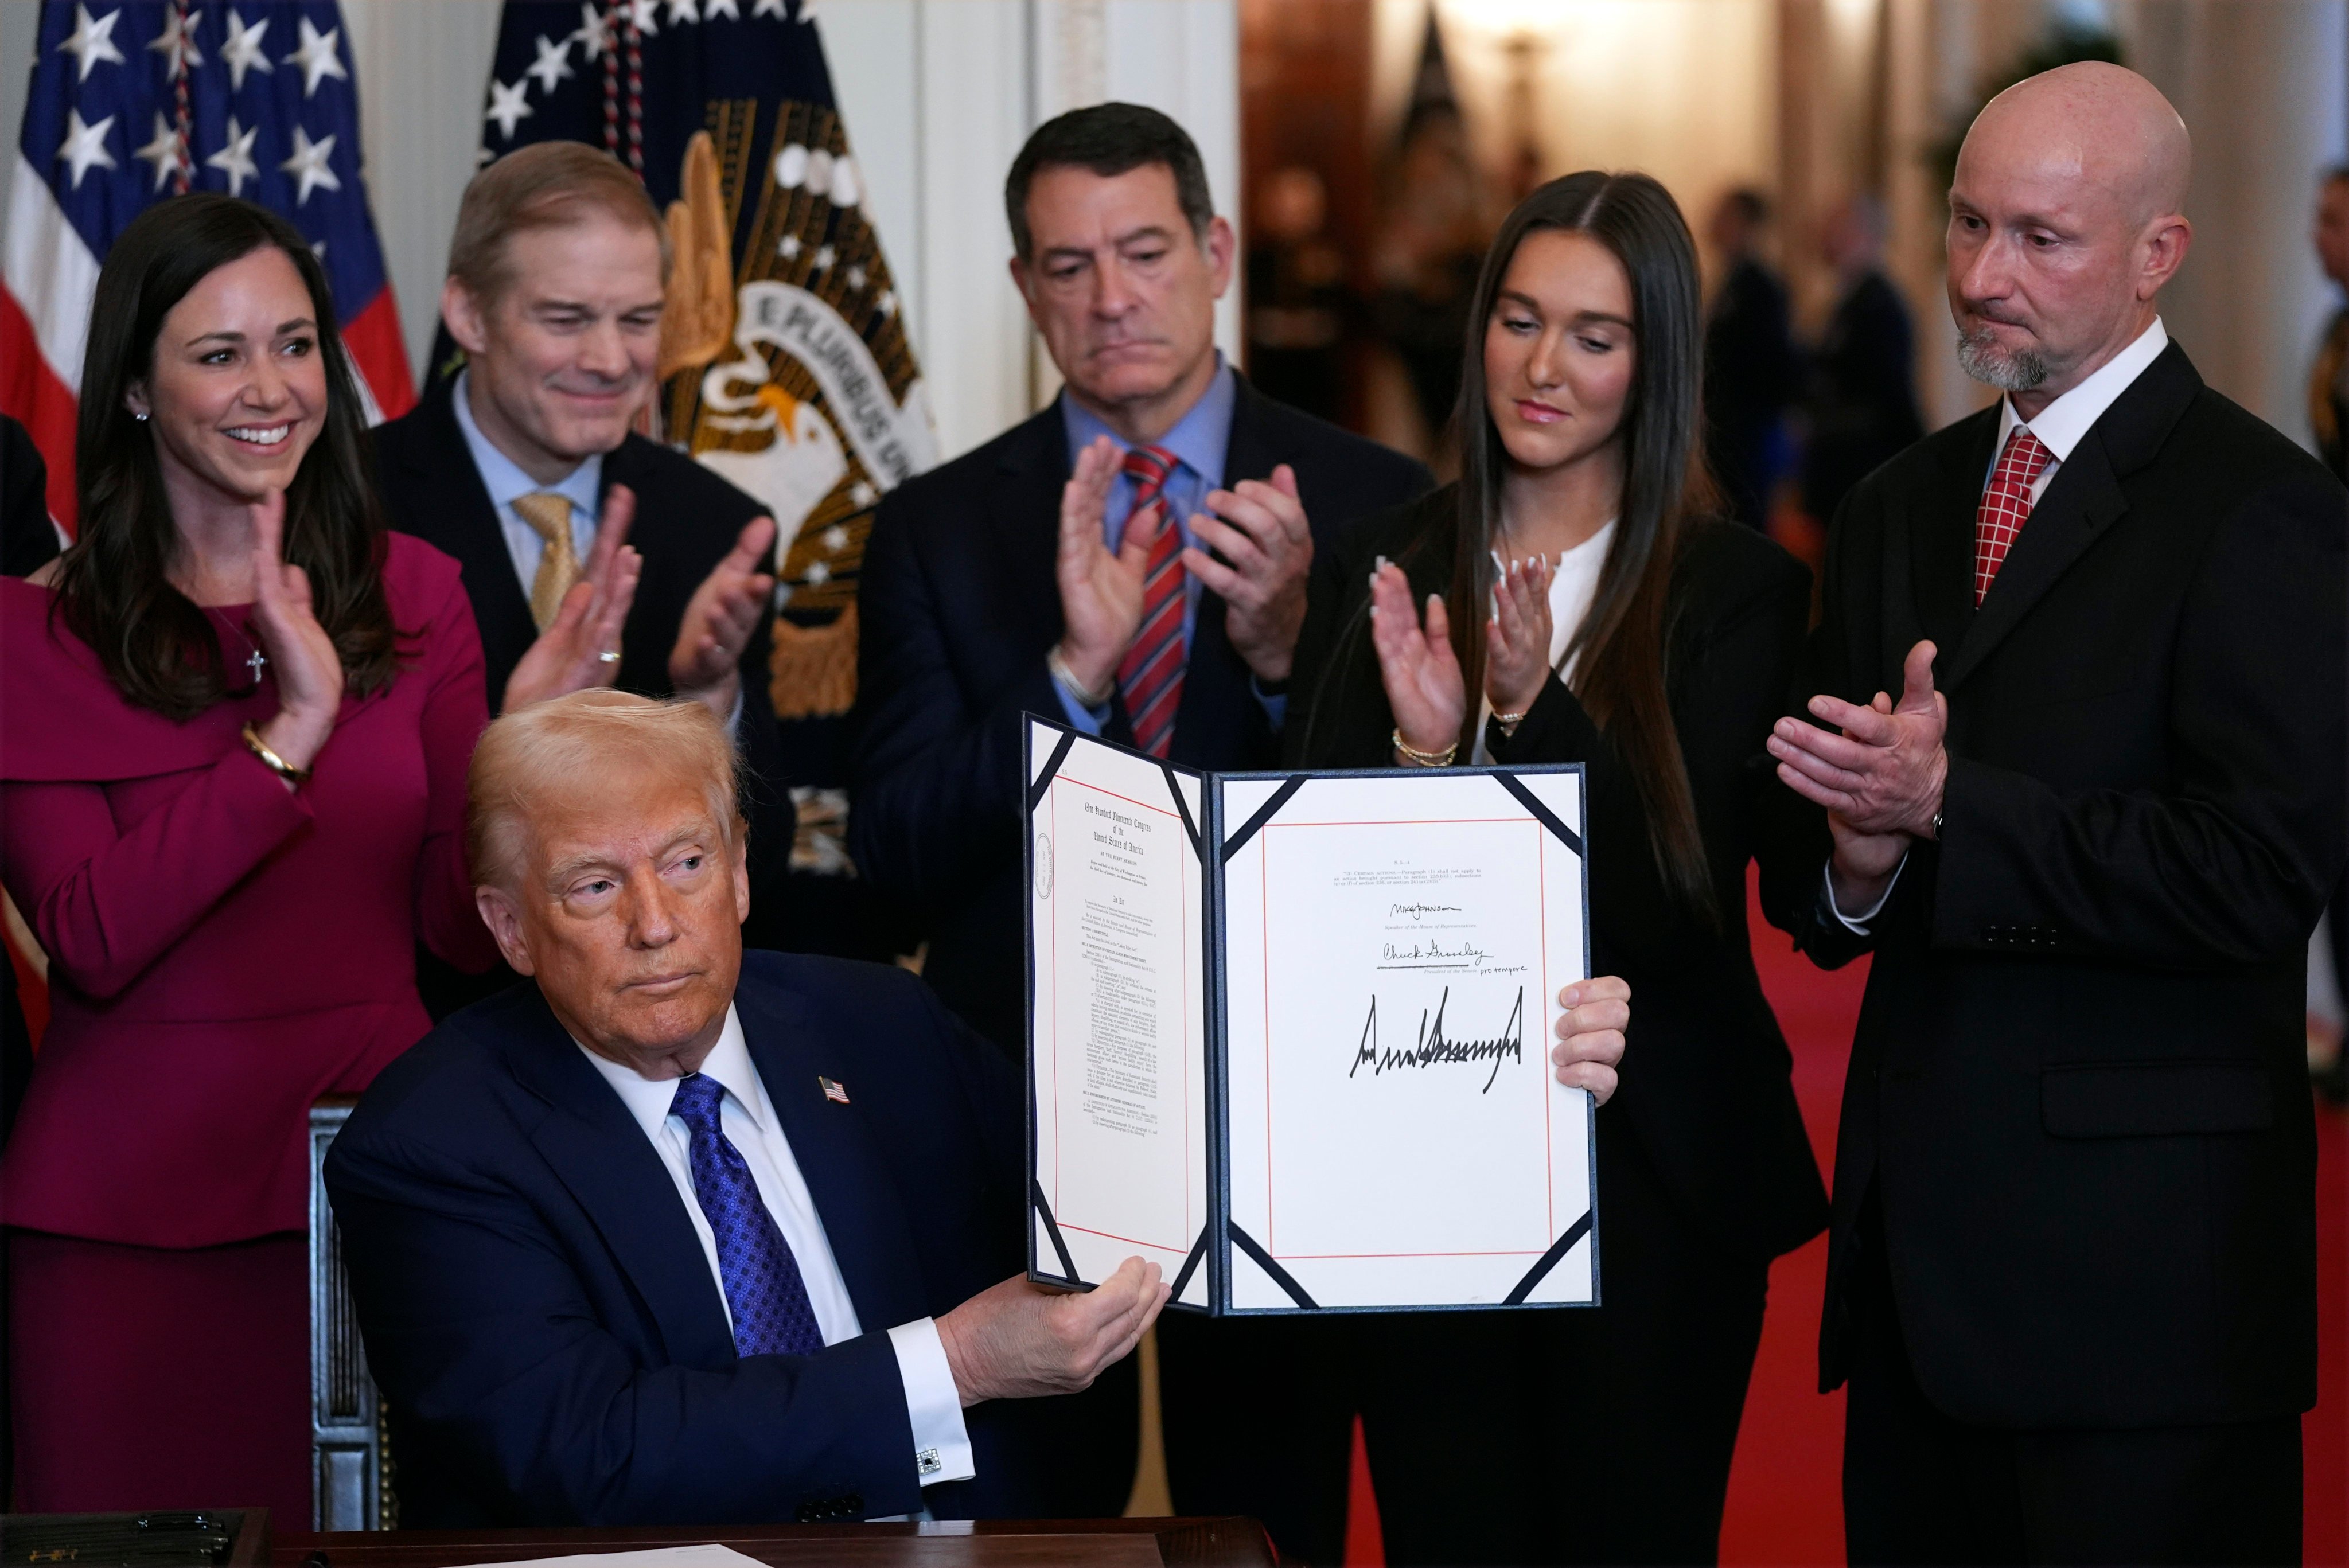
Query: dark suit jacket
{"points": [[2077, 1087], [687, 521], [960, 605], [1706, 1086], [1749, 379], [28, 540], [542, 1320]]}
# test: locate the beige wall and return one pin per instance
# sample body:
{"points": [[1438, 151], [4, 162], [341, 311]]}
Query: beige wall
{"points": [[1683, 90], [2263, 84]]}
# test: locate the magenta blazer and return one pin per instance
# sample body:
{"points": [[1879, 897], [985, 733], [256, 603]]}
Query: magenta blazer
{"points": [[222, 951]]}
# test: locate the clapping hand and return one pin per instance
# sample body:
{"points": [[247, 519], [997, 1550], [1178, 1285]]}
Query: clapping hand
{"points": [[1880, 780], [1017, 1339], [1424, 686], [582, 647], [1260, 530], [1100, 591], [1516, 646], [719, 621], [310, 671]]}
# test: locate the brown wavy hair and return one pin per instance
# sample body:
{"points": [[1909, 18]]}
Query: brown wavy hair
{"points": [[1622, 673], [114, 589]]}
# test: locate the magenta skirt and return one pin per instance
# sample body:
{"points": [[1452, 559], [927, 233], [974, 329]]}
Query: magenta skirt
{"points": [[157, 1377]]}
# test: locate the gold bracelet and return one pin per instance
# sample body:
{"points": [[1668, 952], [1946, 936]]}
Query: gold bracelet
{"points": [[271, 760], [1059, 670], [1426, 759]]}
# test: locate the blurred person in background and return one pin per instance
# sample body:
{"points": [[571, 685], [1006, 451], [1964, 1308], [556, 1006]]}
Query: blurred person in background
{"points": [[2328, 420], [1862, 401], [2328, 379], [1749, 359], [1423, 262], [1297, 300], [232, 799]]}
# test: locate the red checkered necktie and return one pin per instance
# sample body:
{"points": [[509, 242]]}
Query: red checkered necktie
{"points": [[1151, 673], [2006, 504]]}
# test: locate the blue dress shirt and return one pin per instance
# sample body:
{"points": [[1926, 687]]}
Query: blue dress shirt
{"points": [[1198, 441]]}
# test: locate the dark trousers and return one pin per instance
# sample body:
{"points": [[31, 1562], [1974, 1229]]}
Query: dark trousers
{"points": [[1560, 1435], [1920, 1487], [1259, 1415]]}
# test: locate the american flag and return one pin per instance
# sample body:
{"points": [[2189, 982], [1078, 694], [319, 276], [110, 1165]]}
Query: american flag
{"points": [[135, 101]]}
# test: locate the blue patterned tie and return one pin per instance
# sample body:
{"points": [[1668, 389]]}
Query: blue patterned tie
{"points": [[771, 1311]]}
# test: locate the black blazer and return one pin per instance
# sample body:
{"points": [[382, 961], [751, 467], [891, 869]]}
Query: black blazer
{"points": [[960, 605], [1705, 1084], [687, 521], [2077, 1087], [28, 540], [547, 1330]]}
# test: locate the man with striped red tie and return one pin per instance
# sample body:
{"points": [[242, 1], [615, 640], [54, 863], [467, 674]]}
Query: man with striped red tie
{"points": [[2072, 1280], [1131, 561]]}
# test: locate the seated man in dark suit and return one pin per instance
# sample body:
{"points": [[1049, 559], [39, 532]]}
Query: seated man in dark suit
{"points": [[524, 468], [1133, 561], [678, 1234]]}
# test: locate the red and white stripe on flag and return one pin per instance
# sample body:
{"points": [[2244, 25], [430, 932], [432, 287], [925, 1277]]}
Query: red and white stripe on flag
{"points": [[136, 102]]}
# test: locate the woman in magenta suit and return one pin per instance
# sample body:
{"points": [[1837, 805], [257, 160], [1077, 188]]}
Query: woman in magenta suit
{"points": [[234, 723]]}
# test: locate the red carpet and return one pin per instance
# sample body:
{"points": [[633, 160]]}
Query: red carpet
{"points": [[1784, 1505]]}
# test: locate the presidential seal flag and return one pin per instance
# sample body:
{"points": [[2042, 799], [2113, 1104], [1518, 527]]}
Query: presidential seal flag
{"points": [[136, 102], [784, 363]]}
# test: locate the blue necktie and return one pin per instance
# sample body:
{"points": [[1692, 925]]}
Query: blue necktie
{"points": [[771, 1311]]}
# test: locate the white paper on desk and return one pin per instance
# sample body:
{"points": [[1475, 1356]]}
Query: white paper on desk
{"points": [[651, 1557], [1394, 947], [1118, 1027]]}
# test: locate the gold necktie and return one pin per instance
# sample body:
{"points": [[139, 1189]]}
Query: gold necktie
{"points": [[549, 516]]}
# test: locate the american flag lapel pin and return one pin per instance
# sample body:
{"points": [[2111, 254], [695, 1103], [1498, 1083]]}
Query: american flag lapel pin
{"points": [[831, 1090]]}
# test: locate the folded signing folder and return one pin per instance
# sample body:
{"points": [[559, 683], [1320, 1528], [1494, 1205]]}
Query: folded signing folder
{"points": [[1288, 1033]]}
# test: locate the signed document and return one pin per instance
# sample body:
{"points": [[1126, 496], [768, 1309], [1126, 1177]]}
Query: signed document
{"points": [[1289, 1032], [1117, 1014]]}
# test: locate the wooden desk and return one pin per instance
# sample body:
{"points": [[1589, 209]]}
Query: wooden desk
{"points": [[1231, 1542]]}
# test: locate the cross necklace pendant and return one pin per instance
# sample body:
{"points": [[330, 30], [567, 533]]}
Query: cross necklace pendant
{"points": [[256, 664]]}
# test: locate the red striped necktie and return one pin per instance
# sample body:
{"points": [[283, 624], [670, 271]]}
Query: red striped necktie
{"points": [[2006, 503], [1151, 673]]}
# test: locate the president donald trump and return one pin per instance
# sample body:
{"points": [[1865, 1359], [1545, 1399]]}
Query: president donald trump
{"points": [[674, 1234]]}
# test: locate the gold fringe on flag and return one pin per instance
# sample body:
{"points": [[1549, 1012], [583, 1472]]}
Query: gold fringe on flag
{"points": [[813, 668]]}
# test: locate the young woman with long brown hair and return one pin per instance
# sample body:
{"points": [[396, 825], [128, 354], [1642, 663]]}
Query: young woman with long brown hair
{"points": [[1574, 597], [236, 721]]}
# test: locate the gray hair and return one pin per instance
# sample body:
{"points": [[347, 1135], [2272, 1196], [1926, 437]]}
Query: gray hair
{"points": [[573, 736]]}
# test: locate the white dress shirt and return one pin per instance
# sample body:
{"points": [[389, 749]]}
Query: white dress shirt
{"points": [[1572, 587], [2060, 427], [941, 1444]]}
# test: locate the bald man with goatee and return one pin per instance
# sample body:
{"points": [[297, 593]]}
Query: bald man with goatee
{"points": [[2078, 727]]}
